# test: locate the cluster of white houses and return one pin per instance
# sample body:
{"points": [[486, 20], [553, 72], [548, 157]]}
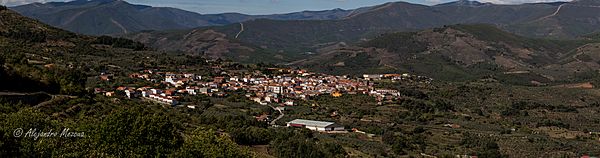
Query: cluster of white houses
{"points": [[284, 88], [152, 94], [164, 99], [398, 77]]}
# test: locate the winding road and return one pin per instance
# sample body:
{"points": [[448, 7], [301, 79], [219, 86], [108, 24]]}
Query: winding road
{"points": [[119, 25], [553, 14], [558, 10], [52, 97], [241, 30], [561, 7], [279, 117]]}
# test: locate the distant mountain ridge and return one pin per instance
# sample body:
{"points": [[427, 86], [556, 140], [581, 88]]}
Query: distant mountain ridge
{"points": [[464, 3], [540, 20], [109, 16], [99, 17], [299, 38], [554, 19]]}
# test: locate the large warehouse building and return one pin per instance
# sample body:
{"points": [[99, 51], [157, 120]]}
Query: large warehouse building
{"points": [[316, 125]]}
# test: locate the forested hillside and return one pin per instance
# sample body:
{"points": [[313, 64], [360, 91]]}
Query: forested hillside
{"points": [[463, 52]]}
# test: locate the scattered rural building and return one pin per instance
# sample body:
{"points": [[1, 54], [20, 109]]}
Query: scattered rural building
{"points": [[110, 94], [372, 76], [321, 126]]}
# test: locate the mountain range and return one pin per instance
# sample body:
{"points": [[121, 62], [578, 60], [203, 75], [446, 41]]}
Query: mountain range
{"points": [[559, 20], [454, 41], [106, 17], [555, 20]]}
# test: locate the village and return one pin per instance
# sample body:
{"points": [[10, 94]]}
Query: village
{"points": [[284, 88], [274, 87]]}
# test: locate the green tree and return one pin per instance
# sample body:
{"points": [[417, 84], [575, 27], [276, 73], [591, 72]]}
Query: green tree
{"points": [[210, 144], [484, 146], [293, 143], [252, 135], [22, 146], [136, 132]]}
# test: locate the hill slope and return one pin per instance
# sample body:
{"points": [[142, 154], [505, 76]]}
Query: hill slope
{"points": [[37, 57], [460, 52], [207, 43]]}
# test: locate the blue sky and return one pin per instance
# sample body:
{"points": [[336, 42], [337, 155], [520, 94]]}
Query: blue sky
{"points": [[269, 6]]}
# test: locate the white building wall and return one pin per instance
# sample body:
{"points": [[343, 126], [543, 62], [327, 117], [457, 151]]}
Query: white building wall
{"points": [[312, 128], [339, 129]]}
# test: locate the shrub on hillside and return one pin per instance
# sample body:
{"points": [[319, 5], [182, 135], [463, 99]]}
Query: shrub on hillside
{"points": [[119, 43], [555, 123]]}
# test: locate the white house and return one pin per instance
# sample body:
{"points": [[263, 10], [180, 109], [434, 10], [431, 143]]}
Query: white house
{"points": [[128, 93], [276, 89], [289, 103], [188, 75], [131, 93], [171, 79], [163, 99], [268, 99], [155, 91], [145, 94], [192, 90], [372, 76], [204, 90]]}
